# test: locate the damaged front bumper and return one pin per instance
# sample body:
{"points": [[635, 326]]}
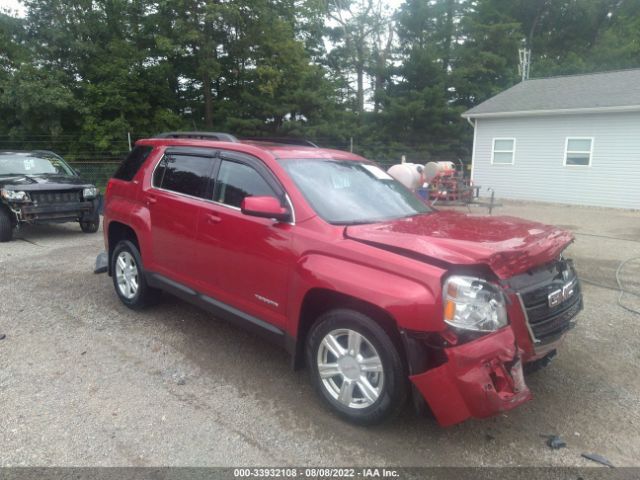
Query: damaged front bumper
{"points": [[62, 212], [478, 379]]}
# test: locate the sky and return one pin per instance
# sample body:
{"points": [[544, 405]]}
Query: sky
{"points": [[13, 5], [16, 5]]}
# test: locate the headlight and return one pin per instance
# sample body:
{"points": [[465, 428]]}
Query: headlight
{"points": [[473, 304], [89, 193], [14, 195]]}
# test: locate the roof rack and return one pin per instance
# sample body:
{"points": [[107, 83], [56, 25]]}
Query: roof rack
{"points": [[283, 140], [46, 152], [221, 137]]}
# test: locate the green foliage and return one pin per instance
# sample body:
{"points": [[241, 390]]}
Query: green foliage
{"points": [[76, 75]]}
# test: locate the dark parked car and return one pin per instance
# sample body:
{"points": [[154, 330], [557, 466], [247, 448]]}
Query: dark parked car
{"points": [[40, 187]]}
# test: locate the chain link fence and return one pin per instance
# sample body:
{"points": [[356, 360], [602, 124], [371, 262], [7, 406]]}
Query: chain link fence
{"points": [[97, 173], [96, 162], [97, 165]]}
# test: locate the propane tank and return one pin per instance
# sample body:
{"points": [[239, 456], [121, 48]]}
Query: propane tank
{"points": [[433, 169], [408, 174]]}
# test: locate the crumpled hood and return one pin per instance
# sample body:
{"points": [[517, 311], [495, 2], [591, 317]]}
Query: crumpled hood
{"points": [[32, 183], [508, 245]]}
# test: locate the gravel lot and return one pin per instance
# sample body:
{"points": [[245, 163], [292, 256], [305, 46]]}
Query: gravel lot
{"points": [[84, 381]]}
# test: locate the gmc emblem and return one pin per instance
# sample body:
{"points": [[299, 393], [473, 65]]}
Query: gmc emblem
{"points": [[556, 297]]}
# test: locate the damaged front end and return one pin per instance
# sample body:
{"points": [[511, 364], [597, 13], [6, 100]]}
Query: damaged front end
{"points": [[37, 206], [477, 379], [473, 368]]}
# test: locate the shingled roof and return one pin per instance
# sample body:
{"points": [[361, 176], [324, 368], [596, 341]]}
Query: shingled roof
{"points": [[592, 93]]}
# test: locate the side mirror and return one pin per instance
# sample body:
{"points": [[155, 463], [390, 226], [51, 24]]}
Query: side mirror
{"points": [[265, 207]]}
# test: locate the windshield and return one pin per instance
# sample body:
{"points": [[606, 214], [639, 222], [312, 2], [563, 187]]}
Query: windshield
{"points": [[348, 192], [25, 164]]}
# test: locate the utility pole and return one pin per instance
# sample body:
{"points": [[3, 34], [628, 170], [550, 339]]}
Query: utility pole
{"points": [[525, 63]]}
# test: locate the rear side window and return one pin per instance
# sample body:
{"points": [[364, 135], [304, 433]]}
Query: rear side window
{"points": [[237, 181], [188, 174], [130, 166]]}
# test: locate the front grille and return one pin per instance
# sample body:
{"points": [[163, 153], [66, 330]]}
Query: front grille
{"points": [[48, 198], [548, 323]]}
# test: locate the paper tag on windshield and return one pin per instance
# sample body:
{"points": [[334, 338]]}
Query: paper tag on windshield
{"points": [[28, 163], [377, 172]]}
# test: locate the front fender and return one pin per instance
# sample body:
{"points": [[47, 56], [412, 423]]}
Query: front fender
{"points": [[413, 305]]}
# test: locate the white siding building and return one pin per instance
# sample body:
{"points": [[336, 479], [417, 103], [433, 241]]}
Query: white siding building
{"points": [[573, 139]]}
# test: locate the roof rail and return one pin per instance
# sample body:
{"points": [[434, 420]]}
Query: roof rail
{"points": [[283, 140], [222, 137]]}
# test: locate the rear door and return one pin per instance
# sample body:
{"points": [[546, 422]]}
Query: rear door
{"points": [[252, 255], [182, 180]]}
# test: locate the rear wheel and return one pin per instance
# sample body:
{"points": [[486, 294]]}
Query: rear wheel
{"points": [[6, 225], [128, 277], [355, 367]]}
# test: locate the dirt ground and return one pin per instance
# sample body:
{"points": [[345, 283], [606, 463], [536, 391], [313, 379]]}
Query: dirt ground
{"points": [[86, 382]]}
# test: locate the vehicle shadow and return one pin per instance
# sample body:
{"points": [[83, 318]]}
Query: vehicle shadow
{"points": [[53, 231], [261, 373], [232, 356]]}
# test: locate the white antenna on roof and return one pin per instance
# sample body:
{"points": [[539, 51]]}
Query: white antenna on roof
{"points": [[525, 63]]}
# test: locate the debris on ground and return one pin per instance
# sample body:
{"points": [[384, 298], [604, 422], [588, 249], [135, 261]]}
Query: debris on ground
{"points": [[179, 378], [102, 262], [2, 336], [555, 442], [598, 459]]}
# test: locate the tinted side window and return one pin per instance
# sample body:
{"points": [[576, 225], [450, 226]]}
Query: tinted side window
{"points": [[237, 181], [184, 174], [158, 173], [130, 166]]}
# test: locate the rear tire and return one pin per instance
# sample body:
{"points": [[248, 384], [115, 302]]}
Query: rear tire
{"points": [[129, 278], [6, 225], [363, 377]]}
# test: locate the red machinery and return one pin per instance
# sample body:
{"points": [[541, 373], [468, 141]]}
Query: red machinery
{"points": [[440, 183], [446, 183]]}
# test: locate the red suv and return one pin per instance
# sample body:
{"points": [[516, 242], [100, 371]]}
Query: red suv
{"points": [[381, 296]]}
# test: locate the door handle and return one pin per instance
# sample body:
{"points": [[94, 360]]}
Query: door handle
{"points": [[151, 199], [212, 218]]}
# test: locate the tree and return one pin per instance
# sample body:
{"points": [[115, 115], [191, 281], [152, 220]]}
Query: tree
{"points": [[81, 74], [363, 37]]}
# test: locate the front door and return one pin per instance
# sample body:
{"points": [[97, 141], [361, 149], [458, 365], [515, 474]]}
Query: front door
{"points": [[252, 255]]}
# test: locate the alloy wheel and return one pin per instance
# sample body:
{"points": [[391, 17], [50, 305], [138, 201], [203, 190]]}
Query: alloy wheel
{"points": [[127, 275], [350, 368]]}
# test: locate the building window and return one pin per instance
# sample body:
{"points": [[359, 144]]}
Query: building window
{"points": [[578, 151], [504, 150]]}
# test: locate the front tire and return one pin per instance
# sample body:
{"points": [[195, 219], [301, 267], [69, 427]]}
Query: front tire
{"points": [[355, 367], [92, 225], [6, 225], [129, 279]]}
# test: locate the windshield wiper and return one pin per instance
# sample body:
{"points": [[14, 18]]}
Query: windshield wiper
{"points": [[355, 222], [379, 220]]}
